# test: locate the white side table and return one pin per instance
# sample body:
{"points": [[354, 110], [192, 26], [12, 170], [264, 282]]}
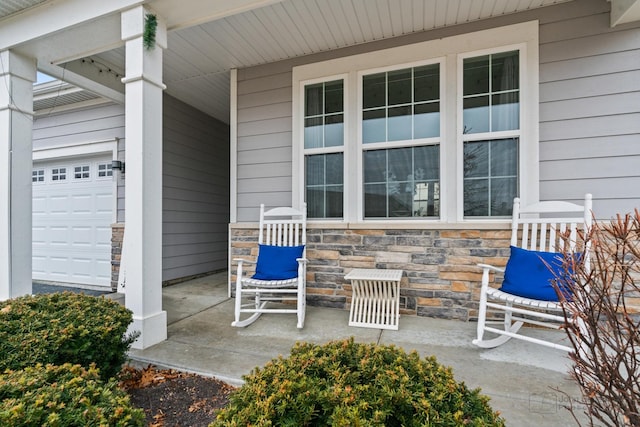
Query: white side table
{"points": [[375, 302]]}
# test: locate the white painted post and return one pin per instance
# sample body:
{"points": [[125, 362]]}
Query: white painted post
{"points": [[143, 182], [17, 74]]}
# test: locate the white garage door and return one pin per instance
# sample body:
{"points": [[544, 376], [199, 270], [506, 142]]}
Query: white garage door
{"points": [[72, 215]]}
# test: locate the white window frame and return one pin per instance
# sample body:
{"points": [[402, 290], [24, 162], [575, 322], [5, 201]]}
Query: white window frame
{"points": [[59, 181], [108, 171], [38, 181], [451, 51], [324, 150], [525, 109], [89, 171], [386, 145]]}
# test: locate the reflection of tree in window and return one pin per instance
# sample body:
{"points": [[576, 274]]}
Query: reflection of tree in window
{"points": [[491, 103], [490, 177], [323, 144], [402, 182]]}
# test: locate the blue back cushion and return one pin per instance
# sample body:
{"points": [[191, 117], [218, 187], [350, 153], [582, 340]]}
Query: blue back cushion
{"points": [[277, 262], [528, 276]]}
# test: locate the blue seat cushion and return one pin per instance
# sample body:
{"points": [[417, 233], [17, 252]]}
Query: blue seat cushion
{"points": [[278, 262], [528, 276]]}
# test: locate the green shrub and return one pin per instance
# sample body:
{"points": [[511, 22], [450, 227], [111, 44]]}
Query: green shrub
{"points": [[66, 395], [64, 328], [348, 384]]}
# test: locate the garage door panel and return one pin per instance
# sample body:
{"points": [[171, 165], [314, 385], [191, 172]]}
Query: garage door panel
{"points": [[103, 237], [72, 225], [104, 204], [38, 265], [39, 206], [104, 271], [82, 236], [58, 205], [81, 204], [39, 235], [59, 236]]}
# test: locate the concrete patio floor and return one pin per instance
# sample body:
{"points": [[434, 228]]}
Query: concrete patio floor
{"points": [[527, 383]]}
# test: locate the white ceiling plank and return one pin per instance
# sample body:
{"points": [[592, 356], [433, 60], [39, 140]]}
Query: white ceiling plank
{"points": [[475, 9], [344, 29], [380, 13], [316, 23], [441, 13], [451, 17], [228, 37], [395, 15], [247, 33], [351, 19], [500, 7], [278, 21], [294, 13], [487, 9], [258, 30], [417, 15], [464, 10], [250, 31], [364, 21]]}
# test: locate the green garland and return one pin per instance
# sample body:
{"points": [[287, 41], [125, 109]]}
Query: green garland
{"points": [[149, 35]]}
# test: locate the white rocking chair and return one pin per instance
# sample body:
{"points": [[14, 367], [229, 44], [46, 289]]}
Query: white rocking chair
{"points": [[280, 268], [527, 295]]}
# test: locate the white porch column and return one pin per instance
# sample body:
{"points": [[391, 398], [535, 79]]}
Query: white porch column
{"points": [[17, 74], [143, 181]]}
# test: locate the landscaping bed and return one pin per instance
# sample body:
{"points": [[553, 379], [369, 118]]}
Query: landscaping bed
{"points": [[171, 398]]}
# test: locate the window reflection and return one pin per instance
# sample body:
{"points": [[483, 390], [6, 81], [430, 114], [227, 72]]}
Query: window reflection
{"points": [[402, 182]]}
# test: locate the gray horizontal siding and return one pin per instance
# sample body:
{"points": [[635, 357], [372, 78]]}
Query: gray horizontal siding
{"points": [[264, 142], [97, 123], [195, 191], [584, 148], [589, 109]]}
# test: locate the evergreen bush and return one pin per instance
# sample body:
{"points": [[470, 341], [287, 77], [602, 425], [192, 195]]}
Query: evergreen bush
{"points": [[344, 383], [66, 395], [64, 328]]}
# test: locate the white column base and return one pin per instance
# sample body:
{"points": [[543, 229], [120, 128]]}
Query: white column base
{"points": [[153, 330]]}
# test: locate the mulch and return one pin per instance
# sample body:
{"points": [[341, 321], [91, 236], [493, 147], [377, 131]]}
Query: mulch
{"points": [[171, 398]]}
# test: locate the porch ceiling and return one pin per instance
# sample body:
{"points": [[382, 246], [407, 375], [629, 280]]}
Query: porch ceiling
{"points": [[199, 57]]}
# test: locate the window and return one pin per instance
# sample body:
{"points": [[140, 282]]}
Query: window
{"points": [[442, 130], [81, 172], [58, 174], [401, 108], [402, 182], [323, 148], [491, 109], [104, 170], [37, 175]]}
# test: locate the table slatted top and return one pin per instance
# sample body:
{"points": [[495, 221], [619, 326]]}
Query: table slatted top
{"points": [[374, 274]]}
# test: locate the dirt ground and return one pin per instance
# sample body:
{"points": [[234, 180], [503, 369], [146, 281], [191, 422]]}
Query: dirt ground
{"points": [[174, 399]]}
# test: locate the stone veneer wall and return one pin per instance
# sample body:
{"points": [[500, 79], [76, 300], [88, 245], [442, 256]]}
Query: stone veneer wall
{"points": [[117, 232], [440, 276]]}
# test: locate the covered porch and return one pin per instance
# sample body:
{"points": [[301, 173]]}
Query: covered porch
{"points": [[526, 382]]}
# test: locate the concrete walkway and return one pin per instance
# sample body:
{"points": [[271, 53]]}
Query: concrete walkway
{"points": [[526, 382]]}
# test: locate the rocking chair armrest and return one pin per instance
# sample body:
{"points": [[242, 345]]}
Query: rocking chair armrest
{"points": [[490, 267], [242, 260], [302, 260], [485, 274]]}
